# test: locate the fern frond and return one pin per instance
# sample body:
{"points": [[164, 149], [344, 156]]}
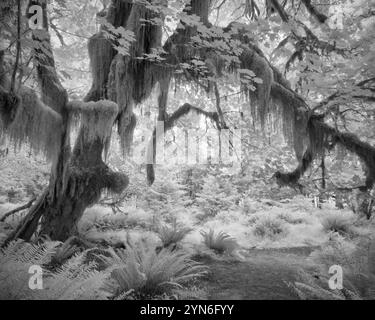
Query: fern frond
{"points": [[172, 234], [148, 272], [73, 280], [219, 242], [24, 252]]}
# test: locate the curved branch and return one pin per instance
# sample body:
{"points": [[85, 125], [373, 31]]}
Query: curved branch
{"points": [[168, 124], [25, 206], [322, 137], [184, 110]]}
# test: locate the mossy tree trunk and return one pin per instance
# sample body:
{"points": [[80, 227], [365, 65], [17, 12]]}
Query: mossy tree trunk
{"points": [[78, 175]]}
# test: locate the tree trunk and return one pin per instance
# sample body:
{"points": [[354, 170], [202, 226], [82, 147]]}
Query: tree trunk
{"points": [[76, 184], [87, 176]]}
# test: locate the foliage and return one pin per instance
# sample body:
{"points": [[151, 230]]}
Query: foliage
{"points": [[310, 287], [217, 193], [220, 242], [23, 176], [338, 222], [171, 235], [268, 227], [73, 280], [356, 259], [149, 273]]}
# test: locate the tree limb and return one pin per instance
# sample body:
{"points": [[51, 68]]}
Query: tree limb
{"points": [[59, 35], [280, 10], [26, 206], [314, 12], [168, 124]]}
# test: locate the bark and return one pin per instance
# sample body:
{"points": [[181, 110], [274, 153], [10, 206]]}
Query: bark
{"points": [[88, 176]]}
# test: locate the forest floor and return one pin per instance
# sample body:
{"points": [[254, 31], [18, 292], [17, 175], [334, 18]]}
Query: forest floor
{"points": [[278, 239], [263, 274]]}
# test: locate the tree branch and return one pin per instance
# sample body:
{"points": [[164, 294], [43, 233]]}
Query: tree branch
{"points": [[280, 10], [59, 35], [314, 12], [25, 206], [168, 125]]}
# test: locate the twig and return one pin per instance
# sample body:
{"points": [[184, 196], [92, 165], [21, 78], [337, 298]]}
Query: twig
{"points": [[26, 206]]}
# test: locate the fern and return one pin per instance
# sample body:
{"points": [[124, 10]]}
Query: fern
{"points": [[73, 280], [172, 235], [76, 280], [20, 251], [15, 261], [220, 242], [311, 288], [338, 223], [149, 273]]}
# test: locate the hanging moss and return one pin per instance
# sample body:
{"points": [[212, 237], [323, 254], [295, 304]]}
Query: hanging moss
{"points": [[131, 80], [27, 120], [126, 127], [101, 54], [260, 98], [95, 118], [119, 11], [323, 137], [92, 181]]}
